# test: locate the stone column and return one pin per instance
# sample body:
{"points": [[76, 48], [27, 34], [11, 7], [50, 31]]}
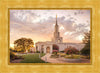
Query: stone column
{"points": [[51, 49], [39, 47], [44, 49]]}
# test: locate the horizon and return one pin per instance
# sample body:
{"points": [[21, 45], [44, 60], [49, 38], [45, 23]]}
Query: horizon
{"points": [[28, 23]]}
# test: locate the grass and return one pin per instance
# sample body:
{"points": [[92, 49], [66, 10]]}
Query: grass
{"points": [[76, 57], [72, 57], [54, 56], [32, 58], [65, 56], [85, 57], [62, 54]]}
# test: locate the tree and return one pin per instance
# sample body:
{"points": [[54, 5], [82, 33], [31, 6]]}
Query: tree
{"points": [[86, 40], [23, 44], [71, 50]]}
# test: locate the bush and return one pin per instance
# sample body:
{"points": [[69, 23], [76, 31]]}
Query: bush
{"points": [[37, 51], [71, 50], [55, 52], [13, 56], [85, 51]]}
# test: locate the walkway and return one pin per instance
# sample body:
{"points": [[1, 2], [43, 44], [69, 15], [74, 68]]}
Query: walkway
{"points": [[47, 58]]}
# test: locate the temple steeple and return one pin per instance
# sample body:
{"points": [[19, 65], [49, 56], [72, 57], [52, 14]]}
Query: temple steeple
{"points": [[57, 37], [56, 26], [56, 19]]}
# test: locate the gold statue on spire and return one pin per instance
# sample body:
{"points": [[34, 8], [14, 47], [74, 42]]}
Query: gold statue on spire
{"points": [[56, 16]]}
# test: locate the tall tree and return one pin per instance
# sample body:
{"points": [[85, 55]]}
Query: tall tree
{"points": [[86, 40], [23, 44]]}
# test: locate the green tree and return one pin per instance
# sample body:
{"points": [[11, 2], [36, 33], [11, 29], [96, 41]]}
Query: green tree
{"points": [[86, 40], [23, 44]]}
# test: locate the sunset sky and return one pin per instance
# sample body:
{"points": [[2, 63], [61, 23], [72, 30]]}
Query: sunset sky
{"points": [[39, 24]]}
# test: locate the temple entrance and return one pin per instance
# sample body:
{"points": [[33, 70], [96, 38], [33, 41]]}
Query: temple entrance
{"points": [[55, 47], [48, 50]]}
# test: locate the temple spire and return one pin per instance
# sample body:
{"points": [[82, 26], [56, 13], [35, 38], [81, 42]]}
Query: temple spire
{"points": [[57, 37], [56, 26], [56, 19]]}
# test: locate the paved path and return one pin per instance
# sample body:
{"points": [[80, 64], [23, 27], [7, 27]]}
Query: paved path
{"points": [[47, 58]]}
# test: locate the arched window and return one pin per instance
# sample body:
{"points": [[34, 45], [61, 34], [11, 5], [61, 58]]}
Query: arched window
{"points": [[48, 49]]}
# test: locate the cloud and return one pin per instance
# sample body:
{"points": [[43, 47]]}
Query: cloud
{"points": [[23, 16], [31, 23]]}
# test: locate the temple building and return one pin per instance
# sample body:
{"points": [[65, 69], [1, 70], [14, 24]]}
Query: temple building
{"points": [[57, 40]]}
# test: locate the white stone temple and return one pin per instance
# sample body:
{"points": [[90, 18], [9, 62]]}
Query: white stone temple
{"points": [[47, 47]]}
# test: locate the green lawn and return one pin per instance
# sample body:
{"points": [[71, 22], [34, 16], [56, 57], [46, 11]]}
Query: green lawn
{"points": [[54, 56], [76, 57], [72, 57], [32, 58]]}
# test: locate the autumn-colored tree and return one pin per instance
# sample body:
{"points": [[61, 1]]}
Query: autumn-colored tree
{"points": [[71, 50], [23, 44]]}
